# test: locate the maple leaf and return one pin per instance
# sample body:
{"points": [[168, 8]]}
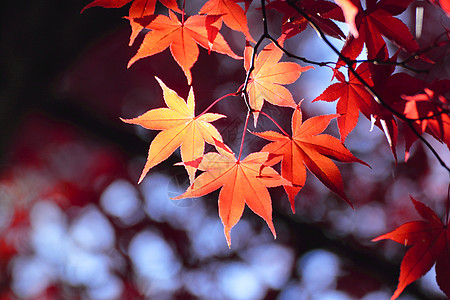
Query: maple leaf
{"points": [[307, 148], [268, 77], [431, 111], [242, 181], [430, 241], [422, 102], [321, 12], [180, 127], [390, 87], [139, 9], [353, 98], [375, 22], [230, 12], [182, 38]]}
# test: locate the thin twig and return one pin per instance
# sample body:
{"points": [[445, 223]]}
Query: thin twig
{"points": [[291, 55], [404, 63]]}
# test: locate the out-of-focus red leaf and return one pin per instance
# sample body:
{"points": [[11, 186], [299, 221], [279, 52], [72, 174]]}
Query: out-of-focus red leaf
{"points": [[431, 110], [322, 12]]}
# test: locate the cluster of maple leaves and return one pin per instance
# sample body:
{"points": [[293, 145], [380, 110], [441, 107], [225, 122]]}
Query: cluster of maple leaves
{"points": [[371, 87]]}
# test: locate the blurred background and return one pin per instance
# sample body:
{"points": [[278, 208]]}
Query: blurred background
{"points": [[74, 224]]}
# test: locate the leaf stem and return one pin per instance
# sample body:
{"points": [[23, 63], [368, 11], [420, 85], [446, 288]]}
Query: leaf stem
{"points": [[182, 15], [273, 120], [243, 135], [217, 101]]}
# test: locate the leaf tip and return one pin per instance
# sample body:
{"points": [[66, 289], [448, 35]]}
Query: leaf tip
{"points": [[377, 239], [144, 172], [363, 162], [128, 121], [293, 208], [273, 232], [161, 83], [132, 61], [227, 236]]}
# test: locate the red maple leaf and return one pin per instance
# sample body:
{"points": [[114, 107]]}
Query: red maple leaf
{"points": [[419, 101], [182, 38], [353, 98], [307, 148], [242, 181], [430, 241], [431, 110], [321, 12], [375, 22]]}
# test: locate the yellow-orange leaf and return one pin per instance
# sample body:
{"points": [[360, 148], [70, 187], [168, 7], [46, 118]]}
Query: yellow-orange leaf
{"points": [[242, 181], [267, 79], [180, 127]]}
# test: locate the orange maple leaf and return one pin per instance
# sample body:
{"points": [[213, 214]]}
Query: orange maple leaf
{"points": [[230, 12], [242, 181], [307, 148], [430, 241], [180, 128], [268, 77], [139, 9], [182, 38]]}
